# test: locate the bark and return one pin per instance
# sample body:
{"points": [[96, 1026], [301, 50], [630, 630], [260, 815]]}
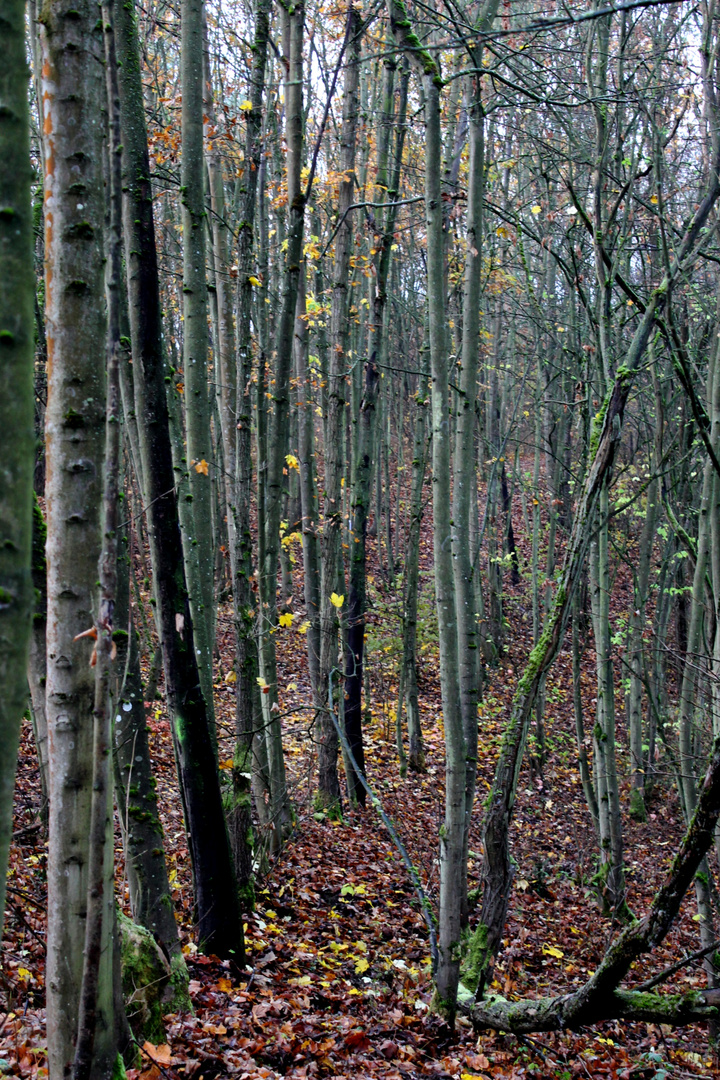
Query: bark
{"points": [[387, 182], [97, 999], [17, 293], [308, 492], [219, 922], [327, 742], [416, 752], [150, 900], [37, 661], [197, 522], [293, 17], [452, 867], [465, 476], [611, 877], [72, 87], [250, 755]]}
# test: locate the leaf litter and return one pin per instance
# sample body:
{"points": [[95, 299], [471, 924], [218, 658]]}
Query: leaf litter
{"points": [[340, 981]]}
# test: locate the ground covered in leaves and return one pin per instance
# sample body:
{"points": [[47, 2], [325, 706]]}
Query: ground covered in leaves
{"points": [[340, 976]]}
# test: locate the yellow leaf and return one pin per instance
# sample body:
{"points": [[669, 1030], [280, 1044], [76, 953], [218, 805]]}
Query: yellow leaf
{"points": [[337, 601], [246, 106], [286, 619], [227, 764], [361, 965], [654, 200], [202, 467], [24, 974], [261, 682], [304, 627], [225, 985], [536, 209], [502, 231], [552, 950], [255, 282], [231, 677], [292, 462], [304, 980], [291, 688]]}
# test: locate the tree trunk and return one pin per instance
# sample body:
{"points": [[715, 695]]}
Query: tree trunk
{"points": [[249, 769], [308, 492], [17, 293], [72, 87], [327, 741], [150, 900], [197, 522], [219, 922], [277, 433]]}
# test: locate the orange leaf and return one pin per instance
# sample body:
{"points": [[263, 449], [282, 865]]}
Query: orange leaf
{"points": [[202, 467], [160, 1055]]}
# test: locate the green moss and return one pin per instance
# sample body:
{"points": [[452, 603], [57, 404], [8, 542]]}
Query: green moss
{"points": [[597, 426], [537, 657], [73, 419], [637, 805], [476, 958], [118, 1072], [246, 896], [145, 976], [179, 998]]}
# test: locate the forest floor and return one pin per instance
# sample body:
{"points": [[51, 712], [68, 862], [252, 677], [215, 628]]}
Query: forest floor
{"points": [[341, 979]]}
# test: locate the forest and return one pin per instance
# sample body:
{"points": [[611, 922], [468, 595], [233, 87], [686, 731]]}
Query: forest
{"points": [[359, 539]]}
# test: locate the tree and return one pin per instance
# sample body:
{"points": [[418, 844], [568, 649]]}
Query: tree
{"points": [[219, 919], [16, 407], [73, 136]]}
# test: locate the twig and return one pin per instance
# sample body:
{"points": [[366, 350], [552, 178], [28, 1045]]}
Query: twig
{"points": [[663, 975], [424, 902]]}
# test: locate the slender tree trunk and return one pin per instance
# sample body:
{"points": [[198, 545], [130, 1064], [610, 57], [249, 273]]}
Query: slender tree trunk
{"points": [[465, 477], [37, 661], [308, 492], [219, 922], [277, 435], [250, 755], [97, 1002], [17, 292], [612, 880], [328, 783], [150, 901], [416, 752], [72, 87], [197, 526]]}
